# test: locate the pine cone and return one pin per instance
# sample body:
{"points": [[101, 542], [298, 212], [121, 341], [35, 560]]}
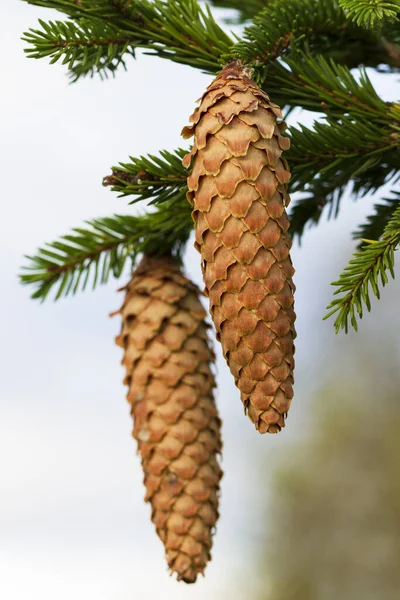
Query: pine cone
{"points": [[237, 188], [176, 425]]}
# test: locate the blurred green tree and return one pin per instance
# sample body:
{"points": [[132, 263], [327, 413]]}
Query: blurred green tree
{"points": [[334, 514]]}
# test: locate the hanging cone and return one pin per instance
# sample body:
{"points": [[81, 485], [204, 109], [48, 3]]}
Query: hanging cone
{"points": [[237, 187], [168, 371]]}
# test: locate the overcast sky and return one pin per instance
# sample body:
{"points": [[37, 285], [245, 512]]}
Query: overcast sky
{"points": [[73, 523]]}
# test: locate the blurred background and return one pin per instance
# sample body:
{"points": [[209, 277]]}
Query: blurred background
{"points": [[310, 514]]}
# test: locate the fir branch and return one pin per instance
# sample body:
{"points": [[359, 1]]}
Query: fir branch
{"points": [[156, 178], [183, 32], [363, 272], [319, 84], [274, 27], [86, 46], [324, 192], [323, 25], [336, 153], [376, 223], [370, 13], [94, 253], [323, 163], [340, 145], [323, 195], [180, 30]]}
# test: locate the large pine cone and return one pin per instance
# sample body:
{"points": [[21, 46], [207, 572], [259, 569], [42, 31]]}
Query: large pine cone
{"points": [[237, 188], [168, 370]]}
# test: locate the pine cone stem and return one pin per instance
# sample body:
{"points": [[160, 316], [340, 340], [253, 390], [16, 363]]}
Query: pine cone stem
{"points": [[237, 187]]}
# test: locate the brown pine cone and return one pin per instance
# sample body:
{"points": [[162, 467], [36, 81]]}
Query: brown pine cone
{"points": [[237, 187], [168, 370]]}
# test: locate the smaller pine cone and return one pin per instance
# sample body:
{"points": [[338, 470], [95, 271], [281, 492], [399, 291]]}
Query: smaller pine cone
{"points": [[176, 425], [237, 187]]}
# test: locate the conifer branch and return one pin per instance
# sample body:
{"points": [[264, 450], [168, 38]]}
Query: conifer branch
{"points": [[94, 253], [323, 24], [86, 46], [376, 223], [324, 192], [273, 28], [336, 153], [180, 30], [323, 162], [367, 269], [301, 52], [339, 154], [102, 249], [344, 145], [159, 179], [324, 195], [369, 13], [319, 84]]}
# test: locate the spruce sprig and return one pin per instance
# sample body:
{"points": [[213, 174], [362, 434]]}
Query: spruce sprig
{"points": [[376, 223], [87, 46], [323, 160], [342, 145], [101, 249], [93, 253], [180, 30], [155, 178], [302, 52], [368, 269], [333, 156], [323, 195], [319, 84], [325, 27], [369, 13]]}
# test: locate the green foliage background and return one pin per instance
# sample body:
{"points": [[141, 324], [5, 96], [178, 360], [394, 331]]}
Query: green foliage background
{"points": [[332, 508]]}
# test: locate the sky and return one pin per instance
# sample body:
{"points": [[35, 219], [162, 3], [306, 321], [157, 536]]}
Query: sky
{"points": [[72, 518]]}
